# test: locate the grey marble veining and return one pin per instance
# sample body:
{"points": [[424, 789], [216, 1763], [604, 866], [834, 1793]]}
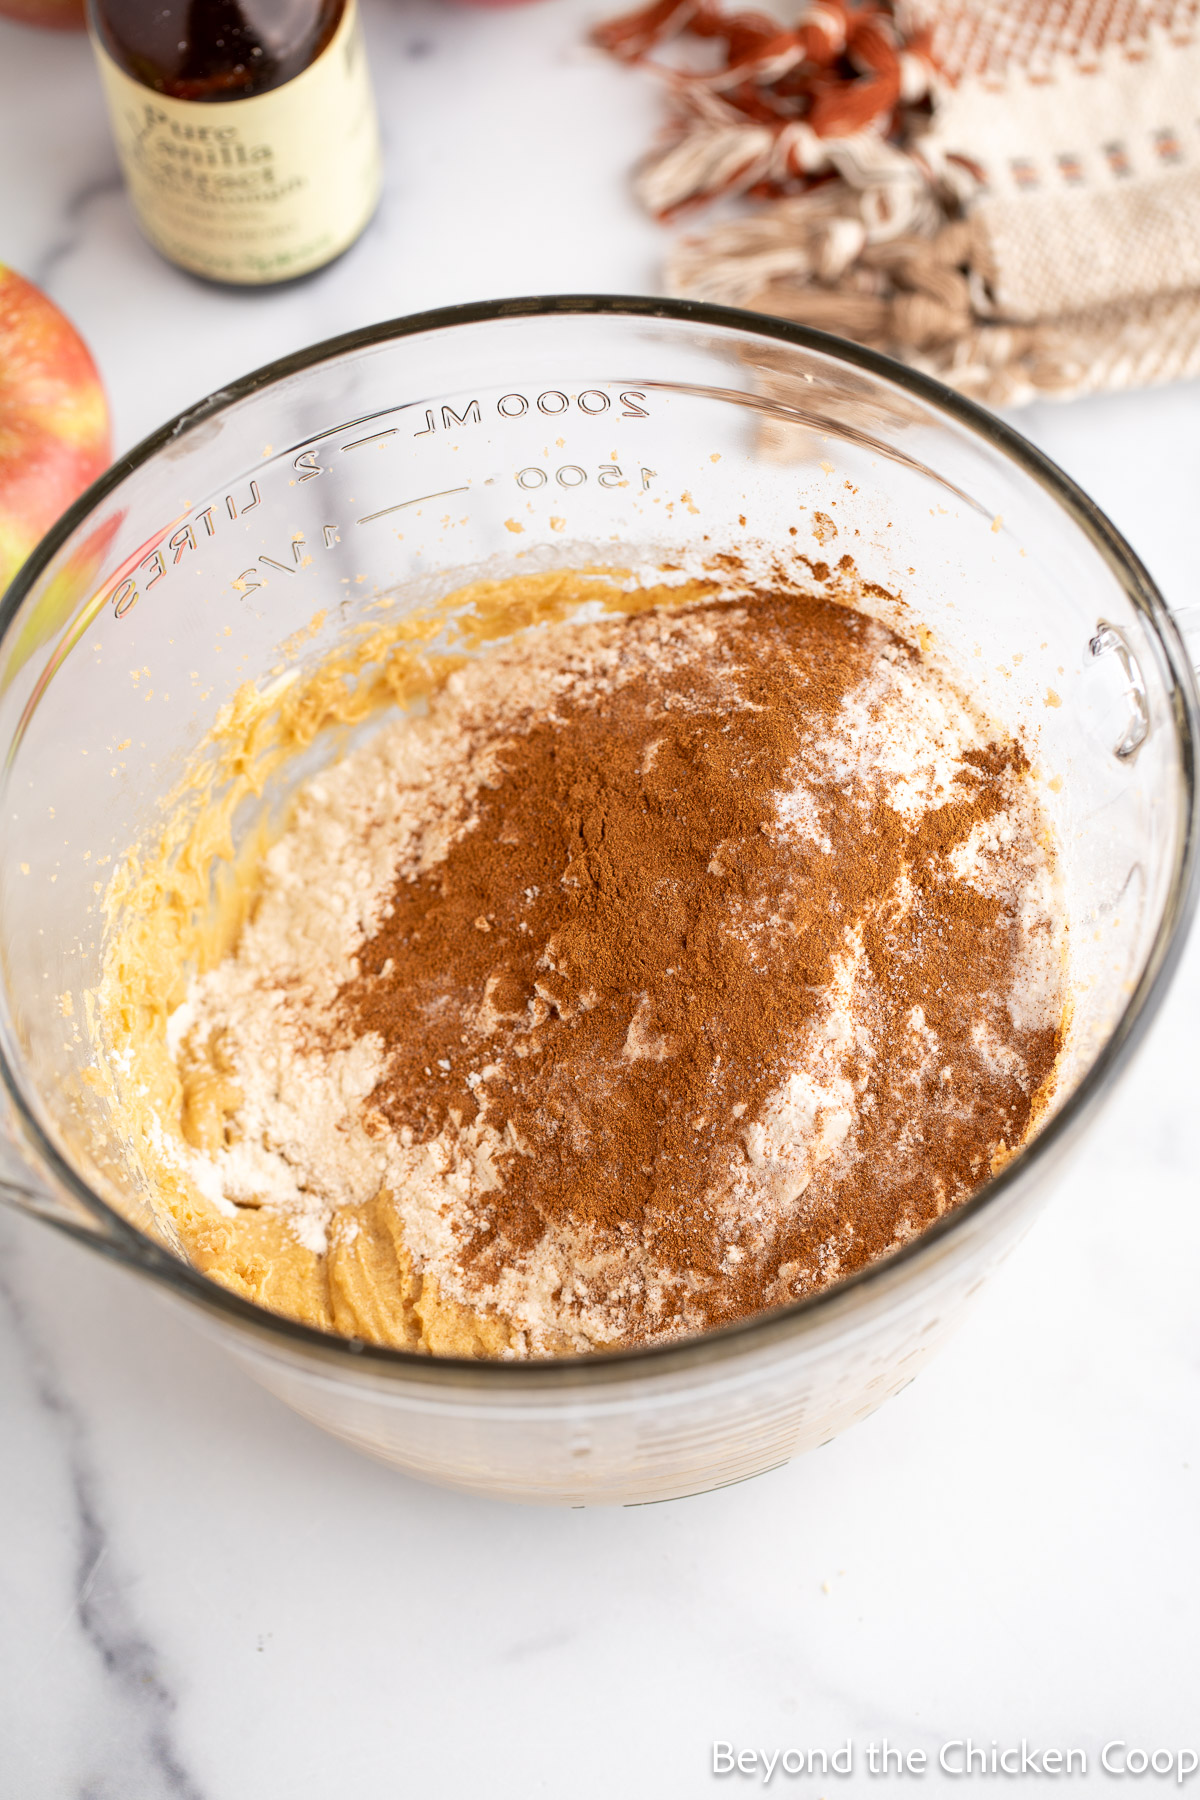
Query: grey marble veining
{"points": [[135, 1754], [74, 218], [201, 1596]]}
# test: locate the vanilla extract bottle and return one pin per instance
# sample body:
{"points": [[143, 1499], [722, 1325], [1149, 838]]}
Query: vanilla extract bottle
{"points": [[246, 130]]}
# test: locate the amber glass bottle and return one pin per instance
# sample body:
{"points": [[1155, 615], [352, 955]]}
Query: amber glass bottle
{"points": [[246, 129]]}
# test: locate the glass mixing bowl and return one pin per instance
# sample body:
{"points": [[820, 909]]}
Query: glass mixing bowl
{"points": [[411, 457]]}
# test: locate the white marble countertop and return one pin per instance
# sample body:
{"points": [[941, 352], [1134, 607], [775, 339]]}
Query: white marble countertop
{"points": [[203, 1597]]}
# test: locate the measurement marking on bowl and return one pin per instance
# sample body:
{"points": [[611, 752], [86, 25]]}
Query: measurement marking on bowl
{"points": [[255, 500], [375, 438], [572, 475], [401, 504], [298, 557]]}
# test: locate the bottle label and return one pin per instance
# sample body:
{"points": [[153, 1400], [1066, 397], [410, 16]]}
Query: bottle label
{"points": [[257, 190]]}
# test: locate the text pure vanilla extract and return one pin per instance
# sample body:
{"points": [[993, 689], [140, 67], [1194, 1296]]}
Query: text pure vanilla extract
{"points": [[246, 130]]}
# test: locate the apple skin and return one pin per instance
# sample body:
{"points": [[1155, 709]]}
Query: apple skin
{"points": [[53, 15], [54, 429]]}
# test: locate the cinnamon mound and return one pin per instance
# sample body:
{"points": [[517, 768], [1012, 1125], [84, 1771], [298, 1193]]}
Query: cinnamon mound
{"points": [[740, 1015]]}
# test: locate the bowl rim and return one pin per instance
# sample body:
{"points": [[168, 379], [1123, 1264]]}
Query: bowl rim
{"points": [[114, 1235]]}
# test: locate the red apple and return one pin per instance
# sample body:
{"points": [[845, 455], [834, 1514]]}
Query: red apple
{"points": [[54, 436], [56, 15]]}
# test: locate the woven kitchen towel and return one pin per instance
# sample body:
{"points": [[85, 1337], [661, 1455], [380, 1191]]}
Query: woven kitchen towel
{"points": [[1003, 192]]}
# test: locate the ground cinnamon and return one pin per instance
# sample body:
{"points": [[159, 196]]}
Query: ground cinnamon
{"points": [[631, 947]]}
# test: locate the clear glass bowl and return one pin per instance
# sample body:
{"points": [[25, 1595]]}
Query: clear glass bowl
{"points": [[610, 431]]}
